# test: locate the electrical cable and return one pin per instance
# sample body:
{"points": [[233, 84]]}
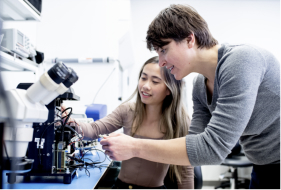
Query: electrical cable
{"points": [[87, 164], [67, 126], [103, 85], [81, 159], [65, 122], [40, 159]]}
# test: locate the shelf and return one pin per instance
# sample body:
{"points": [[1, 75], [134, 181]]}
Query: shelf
{"points": [[11, 63], [18, 10]]}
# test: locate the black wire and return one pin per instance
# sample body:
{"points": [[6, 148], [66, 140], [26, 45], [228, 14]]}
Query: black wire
{"points": [[67, 118], [39, 150], [87, 165], [85, 153], [67, 126], [81, 161], [66, 110]]}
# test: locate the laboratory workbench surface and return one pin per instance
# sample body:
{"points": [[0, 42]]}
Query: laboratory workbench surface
{"points": [[80, 181]]}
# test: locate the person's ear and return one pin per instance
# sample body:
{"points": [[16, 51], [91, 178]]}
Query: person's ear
{"points": [[168, 92], [190, 40]]}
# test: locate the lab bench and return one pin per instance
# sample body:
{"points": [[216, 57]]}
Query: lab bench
{"points": [[82, 181]]}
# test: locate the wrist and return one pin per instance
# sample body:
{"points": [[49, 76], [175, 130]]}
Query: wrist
{"points": [[136, 147]]}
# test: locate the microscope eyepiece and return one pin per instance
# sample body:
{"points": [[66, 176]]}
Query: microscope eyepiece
{"points": [[59, 72], [71, 79]]}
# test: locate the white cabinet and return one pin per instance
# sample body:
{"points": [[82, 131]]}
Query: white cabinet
{"points": [[18, 10], [12, 63], [23, 11]]}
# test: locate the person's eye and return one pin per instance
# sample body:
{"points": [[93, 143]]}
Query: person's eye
{"points": [[163, 50], [155, 82], [143, 78]]}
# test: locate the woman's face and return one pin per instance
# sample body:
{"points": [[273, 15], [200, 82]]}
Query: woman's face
{"points": [[151, 86]]}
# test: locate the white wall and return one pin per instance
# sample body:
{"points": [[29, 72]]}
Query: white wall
{"points": [[85, 29], [230, 21]]}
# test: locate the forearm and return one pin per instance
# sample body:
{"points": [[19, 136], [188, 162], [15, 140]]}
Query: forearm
{"points": [[164, 151]]}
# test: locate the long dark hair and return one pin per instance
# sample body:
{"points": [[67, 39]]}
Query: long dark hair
{"points": [[174, 121]]}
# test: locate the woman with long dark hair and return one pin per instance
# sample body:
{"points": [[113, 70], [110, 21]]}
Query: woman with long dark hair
{"points": [[158, 113]]}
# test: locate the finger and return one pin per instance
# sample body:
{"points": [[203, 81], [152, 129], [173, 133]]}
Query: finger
{"points": [[104, 142], [108, 153], [105, 147], [114, 134], [106, 137], [63, 106], [62, 109]]}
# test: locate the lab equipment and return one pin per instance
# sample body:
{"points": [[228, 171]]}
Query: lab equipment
{"points": [[63, 87], [84, 60], [29, 111], [52, 143], [39, 58], [16, 41], [96, 111]]}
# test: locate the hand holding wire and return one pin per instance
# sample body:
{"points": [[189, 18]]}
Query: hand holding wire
{"points": [[65, 114]]}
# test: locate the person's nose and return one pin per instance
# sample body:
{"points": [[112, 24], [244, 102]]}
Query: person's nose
{"points": [[146, 86], [162, 62]]}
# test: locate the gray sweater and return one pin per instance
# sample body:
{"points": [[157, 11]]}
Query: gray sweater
{"points": [[245, 105]]}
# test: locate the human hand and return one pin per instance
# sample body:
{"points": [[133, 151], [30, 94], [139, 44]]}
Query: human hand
{"points": [[119, 146], [65, 114]]}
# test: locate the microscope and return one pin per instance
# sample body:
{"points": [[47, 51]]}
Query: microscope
{"points": [[36, 143]]}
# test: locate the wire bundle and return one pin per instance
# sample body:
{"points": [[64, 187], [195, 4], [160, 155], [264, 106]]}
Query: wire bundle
{"points": [[87, 165], [82, 164]]}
